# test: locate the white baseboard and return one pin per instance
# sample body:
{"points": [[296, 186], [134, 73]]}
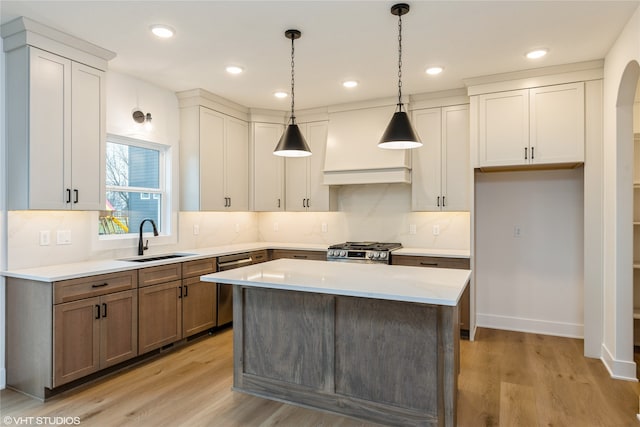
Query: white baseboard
{"points": [[618, 369], [545, 327]]}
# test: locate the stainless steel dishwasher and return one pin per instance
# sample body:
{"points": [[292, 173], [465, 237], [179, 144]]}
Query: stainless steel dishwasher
{"points": [[225, 292]]}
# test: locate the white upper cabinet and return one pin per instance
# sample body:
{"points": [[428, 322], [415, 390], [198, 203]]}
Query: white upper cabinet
{"points": [[268, 169], [535, 126], [441, 167], [56, 132], [214, 161], [304, 187]]}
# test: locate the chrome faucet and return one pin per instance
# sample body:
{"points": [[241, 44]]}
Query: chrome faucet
{"points": [[141, 247]]}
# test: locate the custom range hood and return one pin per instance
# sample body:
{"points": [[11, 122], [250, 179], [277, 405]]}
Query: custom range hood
{"points": [[353, 156]]}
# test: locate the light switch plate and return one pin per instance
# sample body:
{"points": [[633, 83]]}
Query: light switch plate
{"points": [[196, 229], [325, 227], [436, 230], [63, 237], [412, 229], [45, 238]]}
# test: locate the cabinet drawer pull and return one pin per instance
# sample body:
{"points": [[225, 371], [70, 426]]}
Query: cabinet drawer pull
{"points": [[525, 153], [300, 256], [532, 156], [97, 311], [438, 202], [443, 204], [99, 285], [180, 294], [278, 202], [429, 264], [75, 196], [186, 291], [104, 309], [68, 195]]}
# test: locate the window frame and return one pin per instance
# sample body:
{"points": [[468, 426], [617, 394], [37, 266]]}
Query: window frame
{"points": [[165, 191]]}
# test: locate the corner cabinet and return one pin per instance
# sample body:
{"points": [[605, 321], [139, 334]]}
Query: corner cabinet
{"points": [[537, 126], [441, 168], [304, 187], [56, 132], [214, 161], [268, 169]]}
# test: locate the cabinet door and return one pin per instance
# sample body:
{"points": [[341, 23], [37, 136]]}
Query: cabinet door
{"points": [[198, 306], [297, 178], [504, 128], [76, 340], [118, 327], [426, 174], [87, 138], [456, 180], [557, 123], [49, 138], [212, 160], [237, 165], [319, 195], [159, 315], [268, 169]]}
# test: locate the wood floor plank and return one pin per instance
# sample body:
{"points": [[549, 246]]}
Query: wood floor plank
{"points": [[506, 379]]}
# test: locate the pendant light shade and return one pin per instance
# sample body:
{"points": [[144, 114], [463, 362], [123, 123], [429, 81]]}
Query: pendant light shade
{"points": [[399, 133], [292, 143]]}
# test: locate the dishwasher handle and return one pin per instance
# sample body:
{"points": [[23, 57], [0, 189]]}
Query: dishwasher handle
{"points": [[233, 264]]}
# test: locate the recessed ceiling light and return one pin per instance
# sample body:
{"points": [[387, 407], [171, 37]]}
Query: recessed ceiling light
{"points": [[350, 83], [432, 71], [234, 69], [280, 94], [162, 31], [537, 53]]}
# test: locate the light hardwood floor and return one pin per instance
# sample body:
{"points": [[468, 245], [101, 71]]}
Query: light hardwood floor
{"points": [[507, 379]]}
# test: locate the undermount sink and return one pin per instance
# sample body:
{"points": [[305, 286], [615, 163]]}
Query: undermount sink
{"points": [[155, 257]]}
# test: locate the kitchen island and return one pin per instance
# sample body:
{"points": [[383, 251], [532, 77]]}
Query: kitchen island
{"points": [[376, 342]]}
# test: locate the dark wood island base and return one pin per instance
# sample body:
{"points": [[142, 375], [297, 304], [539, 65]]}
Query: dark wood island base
{"points": [[390, 362]]}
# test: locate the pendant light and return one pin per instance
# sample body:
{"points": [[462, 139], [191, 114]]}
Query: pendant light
{"points": [[399, 133], [292, 143]]}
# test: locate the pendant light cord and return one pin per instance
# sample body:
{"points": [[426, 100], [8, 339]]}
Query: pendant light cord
{"points": [[293, 117], [400, 62]]}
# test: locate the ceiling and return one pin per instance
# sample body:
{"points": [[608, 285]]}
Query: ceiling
{"points": [[341, 40]]}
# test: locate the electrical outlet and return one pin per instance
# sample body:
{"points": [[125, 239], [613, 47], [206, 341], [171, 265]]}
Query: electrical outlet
{"points": [[237, 228], [196, 229], [517, 232], [412, 229], [436, 230], [63, 237], [45, 238], [275, 226], [325, 227]]}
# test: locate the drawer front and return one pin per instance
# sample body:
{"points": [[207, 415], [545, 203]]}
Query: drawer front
{"points": [[198, 267], [293, 254], [159, 274], [260, 256], [427, 261], [86, 287]]}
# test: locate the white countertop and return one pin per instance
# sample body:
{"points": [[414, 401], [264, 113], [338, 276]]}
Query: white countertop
{"points": [[53, 273], [441, 286]]}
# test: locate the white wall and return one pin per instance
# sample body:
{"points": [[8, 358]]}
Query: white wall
{"points": [[533, 282], [617, 346]]}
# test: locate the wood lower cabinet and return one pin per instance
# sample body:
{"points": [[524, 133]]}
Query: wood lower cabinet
{"points": [[94, 333], [443, 262], [160, 315], [299, 254], [199, 299]]}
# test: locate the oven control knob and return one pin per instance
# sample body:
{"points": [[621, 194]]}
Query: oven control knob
{"points": [[370, 255], [330, 252], [376, 255], [343, 253], [383, 255]]}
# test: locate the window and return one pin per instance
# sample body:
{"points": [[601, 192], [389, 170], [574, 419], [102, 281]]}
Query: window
{"points": [[136, 187]]}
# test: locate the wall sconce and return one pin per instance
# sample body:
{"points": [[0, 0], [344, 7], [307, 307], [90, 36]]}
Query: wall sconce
{"points": [[140, 117]]}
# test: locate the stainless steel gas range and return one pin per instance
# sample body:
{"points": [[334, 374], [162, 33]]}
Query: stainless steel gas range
{"points": [[364, 252]]}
